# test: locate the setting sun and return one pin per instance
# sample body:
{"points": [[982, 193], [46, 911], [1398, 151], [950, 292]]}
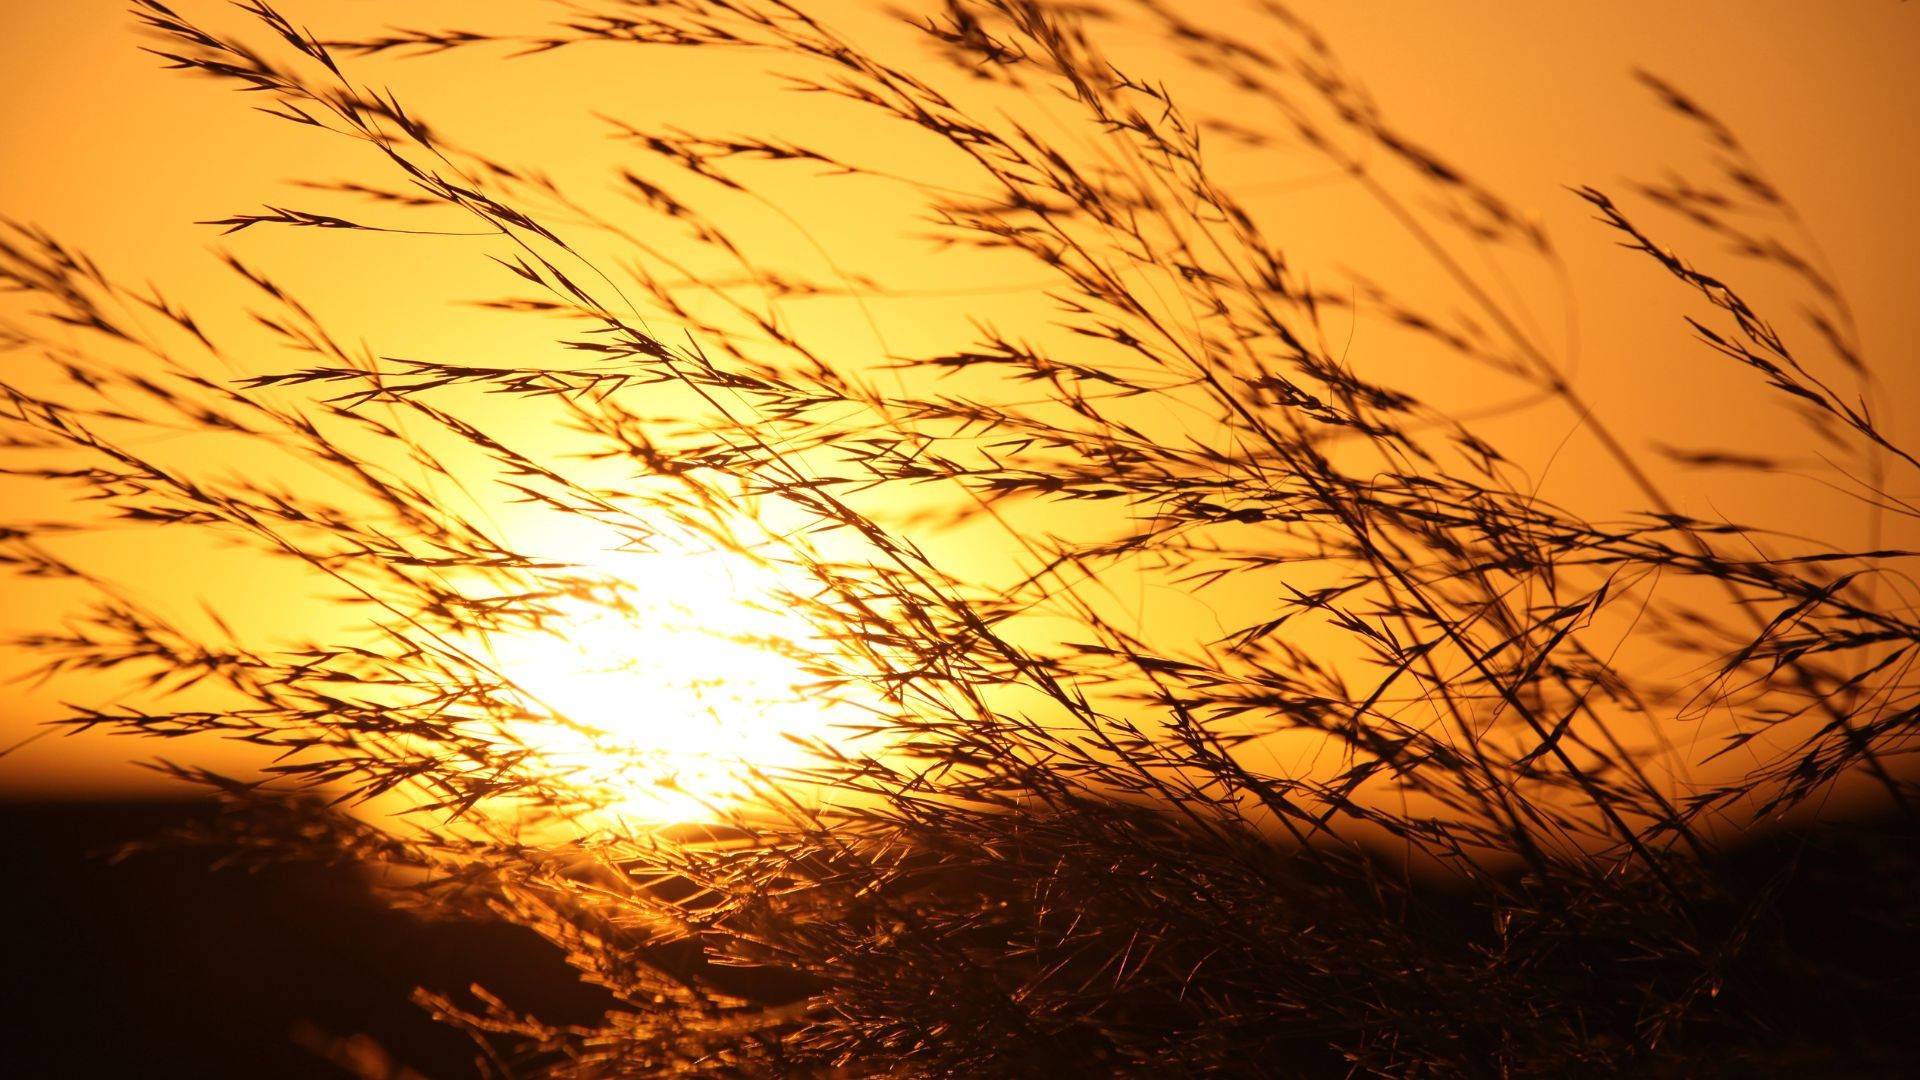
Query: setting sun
{"points": [[668, 687]]}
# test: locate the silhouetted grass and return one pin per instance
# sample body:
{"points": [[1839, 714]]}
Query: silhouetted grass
{"points": [[1053, 846]]}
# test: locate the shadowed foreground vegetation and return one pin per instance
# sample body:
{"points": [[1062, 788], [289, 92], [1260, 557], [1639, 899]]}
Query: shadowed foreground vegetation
{"points": [[1049, 832]]}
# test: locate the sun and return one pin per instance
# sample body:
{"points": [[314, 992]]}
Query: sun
{"points": [[666, 691]]}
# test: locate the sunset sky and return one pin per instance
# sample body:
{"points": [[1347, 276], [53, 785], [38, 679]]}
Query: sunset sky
{"points": [[119, 159]]}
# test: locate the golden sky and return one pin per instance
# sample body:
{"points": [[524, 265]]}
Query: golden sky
{"points": [[119, 158]]}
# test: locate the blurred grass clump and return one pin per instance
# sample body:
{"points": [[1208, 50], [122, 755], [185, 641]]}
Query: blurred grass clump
{"points": [[1392, 785]]}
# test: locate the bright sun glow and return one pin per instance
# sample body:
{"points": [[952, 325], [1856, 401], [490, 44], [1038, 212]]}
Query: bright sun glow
{"points": [[666, 707]]}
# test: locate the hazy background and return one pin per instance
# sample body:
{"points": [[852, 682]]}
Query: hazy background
{"points": [[119, 158]]}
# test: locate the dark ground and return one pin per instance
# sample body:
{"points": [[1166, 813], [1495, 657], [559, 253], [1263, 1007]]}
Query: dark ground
{"points": [[157, 968]]}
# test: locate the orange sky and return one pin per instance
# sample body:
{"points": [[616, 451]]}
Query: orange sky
{"points": [[119, 158]]}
